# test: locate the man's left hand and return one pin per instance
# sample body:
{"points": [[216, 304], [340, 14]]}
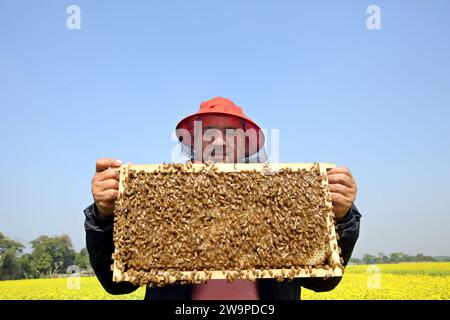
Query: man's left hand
{"points": [[343, 190]]}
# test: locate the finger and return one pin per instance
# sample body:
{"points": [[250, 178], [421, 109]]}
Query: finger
{"points": [[341, 178], [105, 163], [106, 185], [339, 199], [107, 195], [107, 174], [339, 188], [344, 170]]}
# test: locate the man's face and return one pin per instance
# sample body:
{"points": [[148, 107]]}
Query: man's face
{"points": [[219, 142]]}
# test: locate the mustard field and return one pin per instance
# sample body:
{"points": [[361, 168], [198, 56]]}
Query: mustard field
{"points": [[429, 280]]}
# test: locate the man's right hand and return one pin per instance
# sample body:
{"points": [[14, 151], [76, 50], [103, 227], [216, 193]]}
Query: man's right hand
{"points": [[105, 185]]}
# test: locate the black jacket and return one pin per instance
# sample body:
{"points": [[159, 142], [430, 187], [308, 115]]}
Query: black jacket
{"points": [[99, 241]]}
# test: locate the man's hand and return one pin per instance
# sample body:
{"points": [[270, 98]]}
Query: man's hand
{"points": [[343, 190], [105, 185]]}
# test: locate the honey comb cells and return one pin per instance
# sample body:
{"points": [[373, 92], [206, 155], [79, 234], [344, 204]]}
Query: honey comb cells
{"points": [[243, 223]]}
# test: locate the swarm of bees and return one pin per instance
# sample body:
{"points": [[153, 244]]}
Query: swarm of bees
{"points": [[175, 225]]}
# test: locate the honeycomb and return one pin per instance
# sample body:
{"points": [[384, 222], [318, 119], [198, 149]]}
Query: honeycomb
{"points": [[244, 223]]}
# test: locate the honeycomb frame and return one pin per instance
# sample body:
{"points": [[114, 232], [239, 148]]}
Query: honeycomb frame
{"points": [[333, 267]]}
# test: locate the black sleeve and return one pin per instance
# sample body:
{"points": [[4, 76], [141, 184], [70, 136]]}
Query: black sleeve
{"points": [[99, 243], [348, 230]]}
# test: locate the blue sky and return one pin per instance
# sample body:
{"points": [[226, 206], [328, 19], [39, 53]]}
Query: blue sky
{"points": [[376, 101]]}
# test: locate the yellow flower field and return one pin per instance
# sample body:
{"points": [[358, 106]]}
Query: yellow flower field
{"points": [[395, 281], [428, 280]]}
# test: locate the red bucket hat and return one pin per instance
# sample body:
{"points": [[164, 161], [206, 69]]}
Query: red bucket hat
{"points": [[225, 107]]}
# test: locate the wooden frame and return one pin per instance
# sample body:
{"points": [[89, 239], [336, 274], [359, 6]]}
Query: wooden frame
{"points": [[313, 271]]}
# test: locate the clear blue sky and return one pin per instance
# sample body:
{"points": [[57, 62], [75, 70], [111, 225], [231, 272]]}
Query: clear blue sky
{"points": [[376, 101]]}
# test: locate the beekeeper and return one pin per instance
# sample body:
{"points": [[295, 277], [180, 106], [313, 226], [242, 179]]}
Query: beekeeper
{"points": [[218, 132]]}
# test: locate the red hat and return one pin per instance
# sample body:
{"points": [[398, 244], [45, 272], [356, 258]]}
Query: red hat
{"points": [[226, 107]]}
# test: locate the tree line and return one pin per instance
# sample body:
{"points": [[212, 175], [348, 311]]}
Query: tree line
{"points": [[50, 256], [394, 257]]}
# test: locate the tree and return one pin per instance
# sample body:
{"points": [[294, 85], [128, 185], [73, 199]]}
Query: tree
{"points": [[397, 257], [382, 258], [354, 261], [42, 262], [10, 265], [51, 255], [27, 269], [422, 257], [82, 259], [9, 258], [369, 259], [6, 243]]}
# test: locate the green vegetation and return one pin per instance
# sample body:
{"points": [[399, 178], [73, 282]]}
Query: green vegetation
{"points": [[49, 256]]}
